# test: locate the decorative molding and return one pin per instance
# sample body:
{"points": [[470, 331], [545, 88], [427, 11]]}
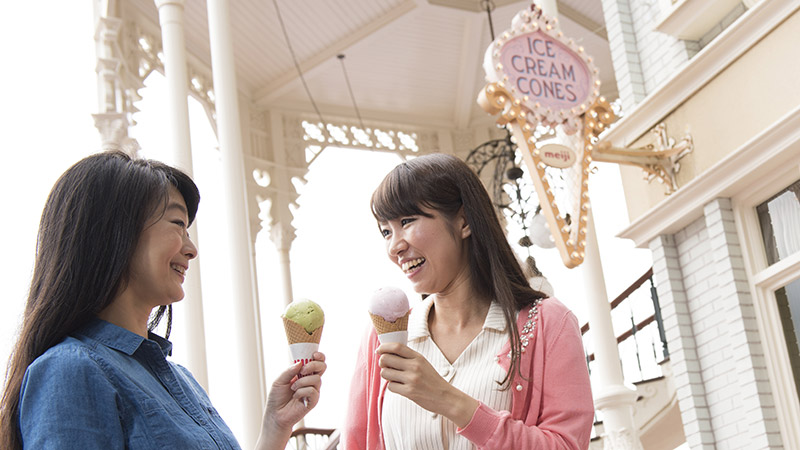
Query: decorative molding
{"points": [[115, 108], [691, 19], [348, 133], [622, 439], [775, 147], [140, 53], [319, 136], [750, 28], [113, 128]]}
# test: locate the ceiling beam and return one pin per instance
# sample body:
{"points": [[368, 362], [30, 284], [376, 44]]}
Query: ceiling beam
{"points": [[470, 62], [275, 88], [578, 17]]}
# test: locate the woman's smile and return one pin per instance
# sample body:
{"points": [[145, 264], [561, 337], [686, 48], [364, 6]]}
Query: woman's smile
{"points": [[411, 266]]}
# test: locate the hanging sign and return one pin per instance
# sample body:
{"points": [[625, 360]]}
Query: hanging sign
{"points": [[536, 76], [552, 76]]}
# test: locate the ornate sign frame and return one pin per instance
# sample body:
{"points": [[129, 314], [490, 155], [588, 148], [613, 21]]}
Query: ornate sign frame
{"points": [[504, 95]]}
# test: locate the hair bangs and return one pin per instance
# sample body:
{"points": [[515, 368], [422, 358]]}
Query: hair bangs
{"points": [[397, 196]]}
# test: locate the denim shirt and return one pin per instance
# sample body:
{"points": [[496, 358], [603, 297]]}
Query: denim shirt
{"points": [[105, 387]]}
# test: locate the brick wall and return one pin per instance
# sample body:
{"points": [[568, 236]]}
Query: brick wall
{"points": [[715, 349], [643, 57]]}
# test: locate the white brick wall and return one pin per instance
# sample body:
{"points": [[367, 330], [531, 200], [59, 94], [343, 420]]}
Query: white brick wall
{"points": [[715, 349], [624, 52], [644, 58], [684, 360]]}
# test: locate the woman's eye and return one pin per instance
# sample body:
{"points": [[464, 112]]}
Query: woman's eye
{"points": [[384, 232], [180, 223], [406, 221]]}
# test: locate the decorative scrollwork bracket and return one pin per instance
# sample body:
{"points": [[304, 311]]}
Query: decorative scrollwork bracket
{"points": [[660, 160]]}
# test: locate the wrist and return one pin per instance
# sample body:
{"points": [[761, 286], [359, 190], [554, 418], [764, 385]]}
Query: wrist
{"points": [[461, 407], [273, 435]]}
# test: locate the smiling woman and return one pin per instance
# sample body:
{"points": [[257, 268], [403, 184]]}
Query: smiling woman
{"points": [[87, 371], [157, 267], [465, 380]]}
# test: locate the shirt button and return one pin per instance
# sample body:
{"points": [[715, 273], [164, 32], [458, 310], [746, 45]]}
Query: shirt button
{"points": [[496, 359], [434, 415], [519, 387]]}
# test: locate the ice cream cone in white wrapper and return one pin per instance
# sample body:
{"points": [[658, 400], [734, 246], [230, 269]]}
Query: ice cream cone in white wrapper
{"points": [[391, 332], [301, 344]]}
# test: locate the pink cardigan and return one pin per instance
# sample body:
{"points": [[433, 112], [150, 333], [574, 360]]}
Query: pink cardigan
{"points": [[551, 406]]}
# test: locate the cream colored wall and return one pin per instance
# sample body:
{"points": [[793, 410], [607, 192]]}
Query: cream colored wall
{"points": [[752, 93]]}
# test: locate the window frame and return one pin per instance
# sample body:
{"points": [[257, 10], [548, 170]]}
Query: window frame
{"points": [[764, 280]]}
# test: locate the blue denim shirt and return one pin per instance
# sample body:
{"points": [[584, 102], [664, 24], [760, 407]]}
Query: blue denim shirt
{"points": [[105, 387]]}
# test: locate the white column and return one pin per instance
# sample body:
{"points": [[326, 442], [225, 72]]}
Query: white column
{"points": [[549, 7], [178, 145], [281, 231], [249, 379], [611, 397], [189, 313], [110, 120], [282, 236]]}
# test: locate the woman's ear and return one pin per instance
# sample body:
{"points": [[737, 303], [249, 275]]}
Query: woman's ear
{"points": [[463, 224]]}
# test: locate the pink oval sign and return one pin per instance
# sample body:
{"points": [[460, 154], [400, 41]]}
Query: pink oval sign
{"points": [[547, 71]]}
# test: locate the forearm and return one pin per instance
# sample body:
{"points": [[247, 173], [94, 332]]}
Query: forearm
{"points": [[490, 429]]}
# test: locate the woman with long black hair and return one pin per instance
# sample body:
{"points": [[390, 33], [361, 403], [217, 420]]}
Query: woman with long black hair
{"points": [[87, 371]]}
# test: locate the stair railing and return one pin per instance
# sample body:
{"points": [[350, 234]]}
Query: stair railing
{"points": [[647, 331]]}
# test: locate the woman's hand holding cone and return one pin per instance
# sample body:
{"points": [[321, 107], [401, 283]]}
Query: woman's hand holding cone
{"points": [[285, 403], [411, 375]]}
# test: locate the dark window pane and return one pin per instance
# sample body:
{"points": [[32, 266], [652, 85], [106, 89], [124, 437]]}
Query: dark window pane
{"points": [[788, 298], [779, 218]]}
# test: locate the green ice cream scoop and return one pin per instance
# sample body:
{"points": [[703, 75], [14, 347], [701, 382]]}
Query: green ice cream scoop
{"points": [[306, 314]]}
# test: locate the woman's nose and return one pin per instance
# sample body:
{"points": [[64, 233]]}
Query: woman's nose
{"points": [[189, 249], [397, 244]]}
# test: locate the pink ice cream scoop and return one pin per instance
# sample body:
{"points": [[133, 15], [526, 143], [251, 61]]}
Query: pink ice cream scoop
{"points": [[390, 303]]}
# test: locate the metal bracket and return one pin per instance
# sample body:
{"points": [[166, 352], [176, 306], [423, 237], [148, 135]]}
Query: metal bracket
{"points": [[660, 160]]}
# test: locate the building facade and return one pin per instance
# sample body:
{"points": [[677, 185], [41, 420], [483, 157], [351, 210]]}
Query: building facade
{"points": [[725, 243]]}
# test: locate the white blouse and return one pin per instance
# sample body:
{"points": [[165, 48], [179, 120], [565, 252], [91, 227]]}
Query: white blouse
{"points": [[475, 372]]}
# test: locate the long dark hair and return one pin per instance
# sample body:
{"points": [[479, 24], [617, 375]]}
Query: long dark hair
{"points": [[89, 230], [445, 183]]}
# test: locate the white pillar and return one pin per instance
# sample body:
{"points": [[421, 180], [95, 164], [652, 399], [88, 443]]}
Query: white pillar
{"points": [[189, 312], [549, 7], [282, 236], [111, 121], [282, 232], [249, 382], [611, 397]]}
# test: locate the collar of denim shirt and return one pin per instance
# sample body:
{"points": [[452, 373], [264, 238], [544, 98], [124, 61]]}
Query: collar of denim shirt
{"points": [[119, 338]]}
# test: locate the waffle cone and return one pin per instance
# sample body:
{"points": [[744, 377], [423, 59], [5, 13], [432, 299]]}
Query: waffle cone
{"points": [[295, 333], [383, 326]]}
